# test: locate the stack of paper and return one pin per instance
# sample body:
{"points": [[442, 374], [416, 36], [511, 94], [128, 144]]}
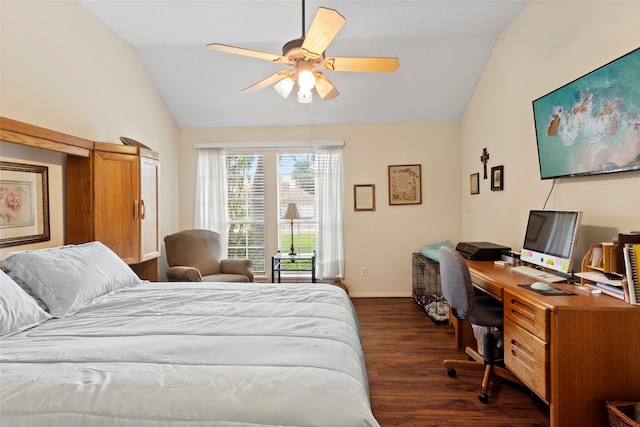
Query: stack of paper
{"points": [[596, 256]]}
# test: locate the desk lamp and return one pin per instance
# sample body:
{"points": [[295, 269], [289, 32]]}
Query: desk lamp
{"points": [[291, 214]]}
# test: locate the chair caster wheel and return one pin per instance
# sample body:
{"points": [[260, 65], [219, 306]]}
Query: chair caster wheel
{"points": [[451, 372], [483, 397]]}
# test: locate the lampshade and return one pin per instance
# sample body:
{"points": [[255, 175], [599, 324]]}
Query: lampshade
{"points": [[284, 86], [292, 212]]}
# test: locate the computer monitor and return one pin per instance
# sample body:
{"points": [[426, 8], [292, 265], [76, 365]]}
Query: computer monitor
{"points": [[551, 238]]}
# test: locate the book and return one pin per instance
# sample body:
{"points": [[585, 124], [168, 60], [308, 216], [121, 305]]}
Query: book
{"points": [[631, 256], [623, 239], [598, 290], [614, 289], [634, 256]]}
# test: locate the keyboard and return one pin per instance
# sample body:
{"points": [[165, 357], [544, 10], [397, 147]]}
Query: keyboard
{"points": [[540, 275]]}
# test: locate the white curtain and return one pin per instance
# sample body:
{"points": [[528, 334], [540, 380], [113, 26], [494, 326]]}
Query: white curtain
{"points": [[330, 242], [211, 194]]}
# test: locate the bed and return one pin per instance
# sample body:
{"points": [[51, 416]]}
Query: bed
{"points": [[115, 351]]}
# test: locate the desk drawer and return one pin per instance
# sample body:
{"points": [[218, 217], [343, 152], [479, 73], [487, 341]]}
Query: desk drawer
{"points": [[527, 357], [527, 315]]}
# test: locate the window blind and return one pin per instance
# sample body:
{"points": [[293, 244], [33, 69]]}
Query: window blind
{"points": [[245, 187]]}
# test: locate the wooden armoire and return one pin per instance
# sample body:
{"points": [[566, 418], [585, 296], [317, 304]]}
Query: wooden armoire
{"points": [[112, 196]]}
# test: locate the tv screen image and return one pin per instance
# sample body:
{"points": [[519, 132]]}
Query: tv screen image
{"points": [[591, 125], [550, 239]]}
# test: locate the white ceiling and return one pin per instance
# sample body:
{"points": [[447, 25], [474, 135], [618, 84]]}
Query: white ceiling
{"points": [[442, 46]]}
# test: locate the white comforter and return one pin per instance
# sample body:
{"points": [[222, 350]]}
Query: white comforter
{"points": [[187, 355]]}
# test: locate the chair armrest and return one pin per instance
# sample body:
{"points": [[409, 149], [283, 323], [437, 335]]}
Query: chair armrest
{"points": [[237, 266], [183, 274]]}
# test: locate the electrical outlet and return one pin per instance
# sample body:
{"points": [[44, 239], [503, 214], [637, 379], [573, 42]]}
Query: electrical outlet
{"points": [[363, 272]]}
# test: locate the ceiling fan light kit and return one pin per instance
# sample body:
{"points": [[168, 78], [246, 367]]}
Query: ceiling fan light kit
{"points": [[308, 53], [284, 87], [305, 97]]}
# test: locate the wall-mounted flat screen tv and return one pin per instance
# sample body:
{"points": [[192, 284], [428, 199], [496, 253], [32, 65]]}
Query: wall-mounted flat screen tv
{"points": [[591, 125]]}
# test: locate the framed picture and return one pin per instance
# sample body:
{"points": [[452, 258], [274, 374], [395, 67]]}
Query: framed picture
{"points": [[497, 178], [474, 183], [364, 197], [405, 187], [24, 204]]}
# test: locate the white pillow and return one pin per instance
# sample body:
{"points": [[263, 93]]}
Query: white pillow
{"points": [[68, 277], [18, 311]]}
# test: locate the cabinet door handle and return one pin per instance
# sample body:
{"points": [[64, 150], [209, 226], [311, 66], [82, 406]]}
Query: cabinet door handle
{"points": [[143, 209], [135, 209]]}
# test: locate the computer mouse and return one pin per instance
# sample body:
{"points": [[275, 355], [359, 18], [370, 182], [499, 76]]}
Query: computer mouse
{"points": [[541, 286]]}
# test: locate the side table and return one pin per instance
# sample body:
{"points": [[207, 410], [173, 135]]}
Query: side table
{"points": [[299, 262]]}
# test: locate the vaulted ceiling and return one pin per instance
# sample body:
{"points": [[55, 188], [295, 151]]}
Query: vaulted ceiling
{"points": [[443, 47]]}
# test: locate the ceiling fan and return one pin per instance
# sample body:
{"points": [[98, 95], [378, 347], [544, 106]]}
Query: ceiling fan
{"points": [[306, 55]]}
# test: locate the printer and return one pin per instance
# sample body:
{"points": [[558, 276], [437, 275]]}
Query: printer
{"points": [[481, 251]]}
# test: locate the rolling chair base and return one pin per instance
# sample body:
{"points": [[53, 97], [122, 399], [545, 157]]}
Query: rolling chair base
{"points": [[476, 363]]}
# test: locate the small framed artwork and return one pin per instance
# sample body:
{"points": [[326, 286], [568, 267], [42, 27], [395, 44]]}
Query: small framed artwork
{"points": [[364, 197], [497, 178], [24, 204], [405, 186], [474, 183]]}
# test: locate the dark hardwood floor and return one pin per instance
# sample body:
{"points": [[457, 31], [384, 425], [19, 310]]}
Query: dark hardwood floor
{"points": [[404, 350]]}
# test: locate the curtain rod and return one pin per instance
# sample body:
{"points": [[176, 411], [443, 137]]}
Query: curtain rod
{"points": [[269, 145]]}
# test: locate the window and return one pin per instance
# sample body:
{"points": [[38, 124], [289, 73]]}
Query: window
{"points": [[245, 208], [243, 194], [296, 184]]}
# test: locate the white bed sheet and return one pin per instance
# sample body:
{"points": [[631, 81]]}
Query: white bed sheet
{"points": [[184, 354]]}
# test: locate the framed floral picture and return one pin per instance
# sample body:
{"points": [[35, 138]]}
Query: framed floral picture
{"points": [[405, 186], [24, 204]]}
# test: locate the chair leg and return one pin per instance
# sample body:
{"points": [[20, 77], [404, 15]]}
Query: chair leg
{"points": [[483, 395], [472, 353]]}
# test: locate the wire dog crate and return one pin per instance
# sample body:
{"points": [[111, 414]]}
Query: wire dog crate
{"points": [[427, 290]]}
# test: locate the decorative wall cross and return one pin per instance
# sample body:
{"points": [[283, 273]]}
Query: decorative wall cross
{"points": [[484, 158]]}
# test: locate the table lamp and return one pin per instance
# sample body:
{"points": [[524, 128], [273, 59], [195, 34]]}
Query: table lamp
{"points": [[291, 214]]}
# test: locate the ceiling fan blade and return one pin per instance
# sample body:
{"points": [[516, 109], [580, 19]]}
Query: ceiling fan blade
{"points": [[247, 52], [324, 28], [268, 81], [325, 89], [367, 65]]}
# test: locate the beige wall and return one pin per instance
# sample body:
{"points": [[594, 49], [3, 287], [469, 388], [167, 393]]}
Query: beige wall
{"points": [[382, 240], [80, 78], [548, 45], [64, 70]]}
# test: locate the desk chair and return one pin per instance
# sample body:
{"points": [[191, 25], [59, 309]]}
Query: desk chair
{"points": [[457, 289]]}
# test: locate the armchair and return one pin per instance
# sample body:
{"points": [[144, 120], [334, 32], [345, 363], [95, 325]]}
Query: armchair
{"points": [[195, 256]]}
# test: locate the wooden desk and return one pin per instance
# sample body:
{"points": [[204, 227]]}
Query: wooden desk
{"points": [[575, 352]]}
